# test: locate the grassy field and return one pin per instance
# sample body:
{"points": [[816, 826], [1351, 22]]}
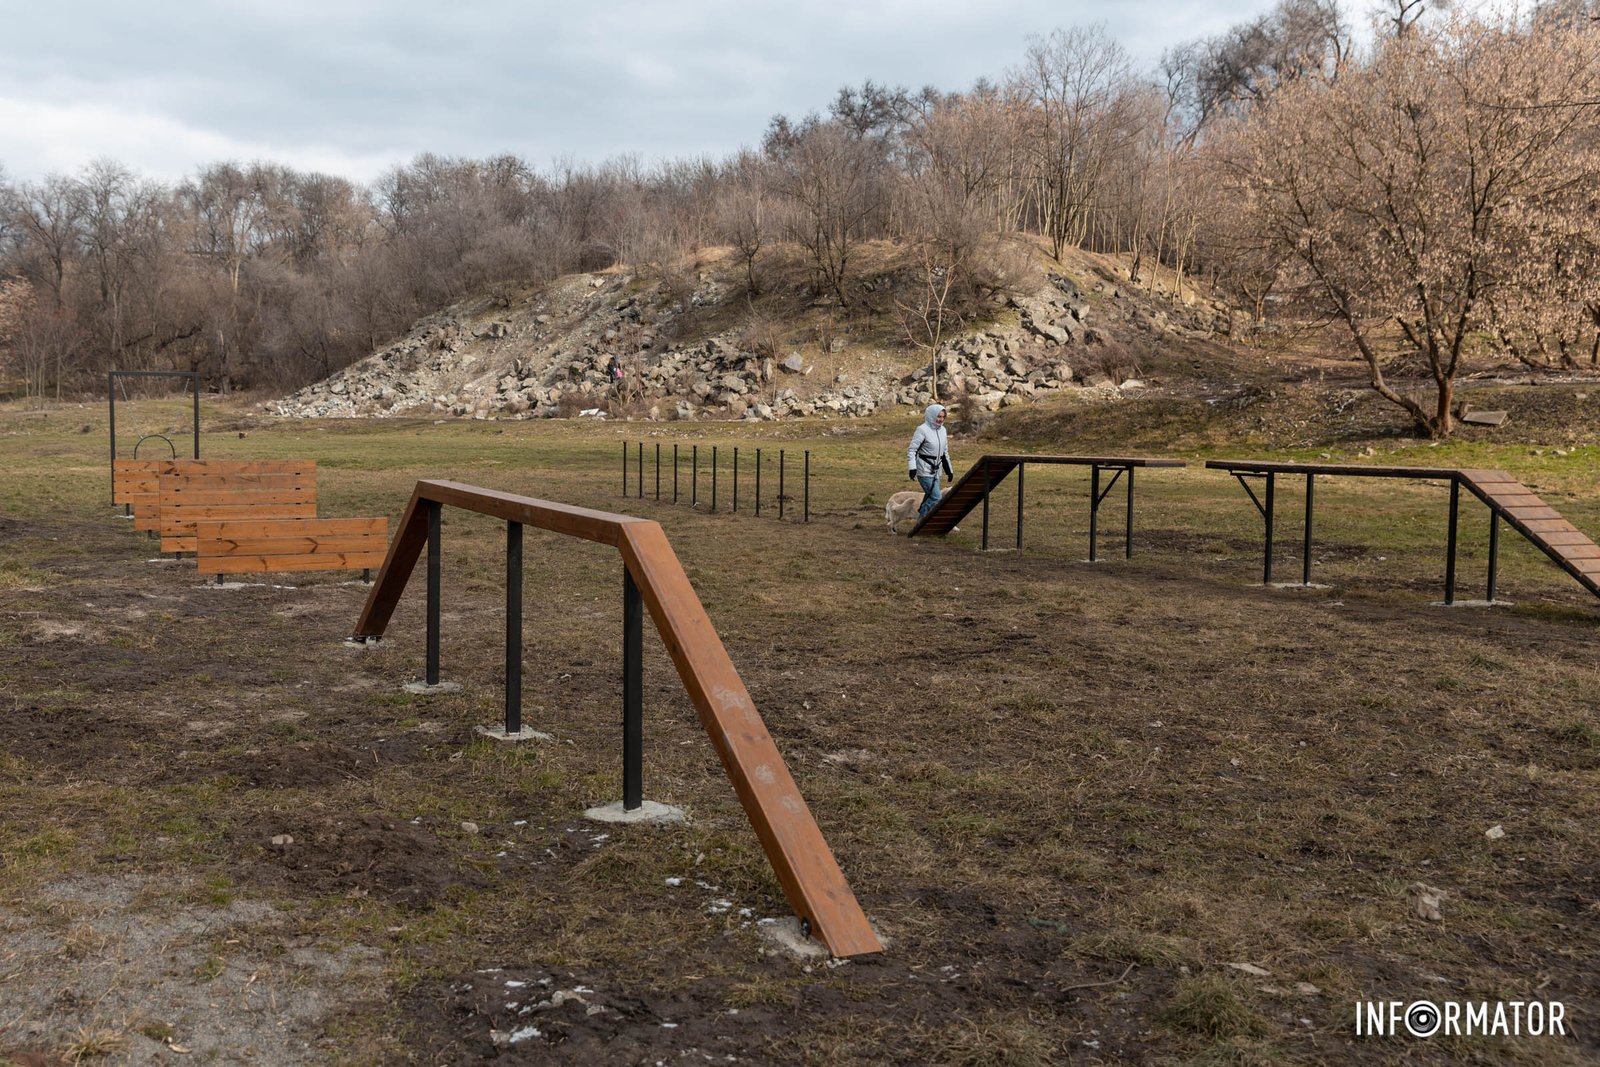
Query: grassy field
{"points": [[1138, 810]]}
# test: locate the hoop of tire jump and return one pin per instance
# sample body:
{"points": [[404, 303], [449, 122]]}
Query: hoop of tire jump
{"points": [[193, 378], [653, 578], [155, 437]]}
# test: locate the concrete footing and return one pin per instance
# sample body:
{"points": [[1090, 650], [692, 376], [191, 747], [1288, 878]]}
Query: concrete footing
{"points": [[649, 811], [498, 733], [424, 687]]}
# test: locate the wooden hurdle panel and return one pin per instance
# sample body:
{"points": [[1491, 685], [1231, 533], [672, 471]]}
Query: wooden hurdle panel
{"points": [[136, 484], [256, 546], [253, 489]]}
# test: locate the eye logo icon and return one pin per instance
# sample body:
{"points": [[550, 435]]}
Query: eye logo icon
{"points": [[1422, 1019]]}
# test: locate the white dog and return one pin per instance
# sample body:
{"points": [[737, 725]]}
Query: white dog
{"points": [[903, 505]]}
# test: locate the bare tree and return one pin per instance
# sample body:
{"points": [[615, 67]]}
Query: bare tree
{"points": [[1403, 201]]}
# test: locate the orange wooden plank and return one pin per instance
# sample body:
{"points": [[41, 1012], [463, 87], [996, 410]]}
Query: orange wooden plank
{"points": [[241, 495], [805, 866], [1486, 478], [274, 563], [294, 527], [1549, 526], [1517, 500], [1576, 552], [1533, 513], [177, 543], [308, 545], [1569, 536]]}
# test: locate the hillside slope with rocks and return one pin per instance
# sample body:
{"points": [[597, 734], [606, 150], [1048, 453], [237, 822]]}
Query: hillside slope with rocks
{"points": [[549, 352]]}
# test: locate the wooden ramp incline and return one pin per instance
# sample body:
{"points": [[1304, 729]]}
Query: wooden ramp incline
{"points": [[959, 500], [805, 866], [1541, 524]]}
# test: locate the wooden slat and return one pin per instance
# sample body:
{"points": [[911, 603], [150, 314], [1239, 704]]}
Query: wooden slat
{"points": [[303, 545], [242, 495], [1533, 513], [1517, 500], [335, 561], [294, 527], [1550, 526], [189, 515]]}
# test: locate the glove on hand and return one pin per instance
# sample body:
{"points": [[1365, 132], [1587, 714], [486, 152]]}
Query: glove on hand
{"points": [[912, 475]]}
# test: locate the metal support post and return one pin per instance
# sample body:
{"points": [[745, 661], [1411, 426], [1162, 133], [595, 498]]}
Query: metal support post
{"points": [[111, 401], [641, 470], [658, 470], [1494, 551], [674, 474], [694, 477], [713, 477], [1020, 468], [624, 469], [1127, 538], [195, 382], [736, 480], [1266, 570], [758, 483], [808, 486], [513, 628], [780, 483], [986, 487], [1450, 551], [1305, 550], [632, 694], [432, 675], [1094, 509]]}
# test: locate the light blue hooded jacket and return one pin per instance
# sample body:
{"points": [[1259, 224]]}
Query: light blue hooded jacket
{"points": [[930, 447]]}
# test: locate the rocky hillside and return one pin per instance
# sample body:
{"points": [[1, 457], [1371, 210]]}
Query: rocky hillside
{"points": [[547, 353]]}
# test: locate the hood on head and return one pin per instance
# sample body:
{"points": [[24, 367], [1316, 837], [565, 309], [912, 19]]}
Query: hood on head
{"points": [[931, 415]]}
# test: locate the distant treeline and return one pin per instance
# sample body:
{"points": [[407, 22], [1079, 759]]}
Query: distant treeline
{"points": [[1436, 185]]}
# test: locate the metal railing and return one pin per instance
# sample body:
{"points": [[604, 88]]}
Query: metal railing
{"points": [[652, 577], [633, 453]]}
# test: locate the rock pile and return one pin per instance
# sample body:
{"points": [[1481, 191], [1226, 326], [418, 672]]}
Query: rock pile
{"points": [[554, 353]]}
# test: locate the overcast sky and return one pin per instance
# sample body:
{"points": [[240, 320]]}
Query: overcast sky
{"points": [[351, 87]]}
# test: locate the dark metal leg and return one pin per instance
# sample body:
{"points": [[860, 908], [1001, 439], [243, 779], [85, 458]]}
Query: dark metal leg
{"points": [[366, 575], [1266, 570], [713, 477], [1094, 509], [432, 675], [513, 628], [694, 477], [1020, 468], [736, 481], [641, 470], [780, 483], [1450, 550], [1127, 538], [632, 694], [658, 470], [197, 415], [758, 483], [624, 468], [111, 399], [1494, 552], [986, 487], [219, 579], [674, 474], [808, 485], [1305, 550]]}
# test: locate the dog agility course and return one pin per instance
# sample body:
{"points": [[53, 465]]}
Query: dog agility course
{"points": [[1113, 812]]}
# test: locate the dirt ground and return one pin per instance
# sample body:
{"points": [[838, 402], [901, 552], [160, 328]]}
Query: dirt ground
{"points": [[1132, 811]]}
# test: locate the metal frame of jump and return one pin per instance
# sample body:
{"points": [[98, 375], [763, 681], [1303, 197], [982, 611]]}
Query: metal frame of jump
{"points": [[694, 477], [652, 577], [111, 396]]}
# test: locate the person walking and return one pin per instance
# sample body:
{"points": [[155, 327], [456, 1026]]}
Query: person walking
{"points": [[928, 456]]}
